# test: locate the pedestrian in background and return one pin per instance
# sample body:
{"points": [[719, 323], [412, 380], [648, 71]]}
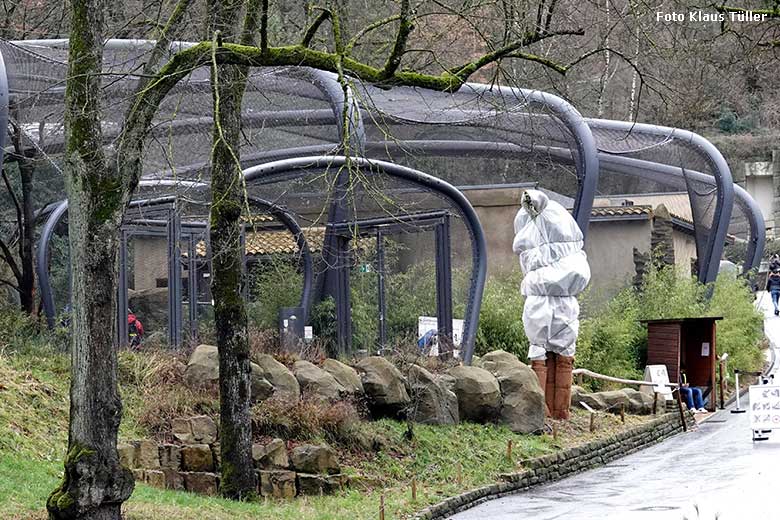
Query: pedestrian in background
{"points": [[773, 286]]}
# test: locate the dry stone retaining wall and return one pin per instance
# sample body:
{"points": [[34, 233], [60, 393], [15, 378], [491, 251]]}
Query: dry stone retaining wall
{"points": [[194, 466], [556, 466]]}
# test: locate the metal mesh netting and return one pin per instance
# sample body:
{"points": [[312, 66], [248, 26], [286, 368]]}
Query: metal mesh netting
{"points": [[478, 136], [404, 213], [472, 137], [663, 160]]}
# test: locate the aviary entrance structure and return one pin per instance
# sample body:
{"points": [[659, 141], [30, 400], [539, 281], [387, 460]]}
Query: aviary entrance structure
{"points": [[319, 162]]}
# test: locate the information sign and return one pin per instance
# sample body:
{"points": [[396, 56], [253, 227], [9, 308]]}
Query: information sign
{"points": [[659, 377], [764, 407]]}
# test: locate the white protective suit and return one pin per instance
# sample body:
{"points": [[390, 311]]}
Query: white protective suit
{"points": [[555, 270]]}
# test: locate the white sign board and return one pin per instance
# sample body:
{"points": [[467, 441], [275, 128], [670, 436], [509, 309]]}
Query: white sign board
{"points": [[764, 407], [308, 333], [428, 323], [705, 349], [658, 376]]}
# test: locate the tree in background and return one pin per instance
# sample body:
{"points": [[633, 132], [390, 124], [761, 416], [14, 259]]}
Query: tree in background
{"points": [[100, 182]]}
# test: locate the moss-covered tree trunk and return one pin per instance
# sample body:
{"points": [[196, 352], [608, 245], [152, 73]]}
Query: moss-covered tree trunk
{"points": [[238, 478], [94, 485]]}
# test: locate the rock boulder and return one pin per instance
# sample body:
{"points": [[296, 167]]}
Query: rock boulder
{"points": [[479, 394], [345, 375], [271, 456], [310, 458], [203, 369], [277, 484], [285, 385], [316, 382], [499, 362], [522, 407], [431, 402], [384, 386]]}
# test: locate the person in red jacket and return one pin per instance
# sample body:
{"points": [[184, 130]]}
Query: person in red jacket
{"points": [[135, 330]]}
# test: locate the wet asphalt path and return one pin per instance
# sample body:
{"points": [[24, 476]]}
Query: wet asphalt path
{"points": [[717, 470]]}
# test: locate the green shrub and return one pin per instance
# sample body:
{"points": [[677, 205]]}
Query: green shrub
{"points": [[274, 284], [741, 329], [665, 294], [501, 317], [611, 341]]}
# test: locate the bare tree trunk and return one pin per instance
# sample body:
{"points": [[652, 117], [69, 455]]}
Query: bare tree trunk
{"points": [[95, 484], [238, 476], [26, 237]]}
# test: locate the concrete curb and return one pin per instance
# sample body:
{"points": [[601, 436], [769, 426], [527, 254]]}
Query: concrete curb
{"points": [[556, 466]]}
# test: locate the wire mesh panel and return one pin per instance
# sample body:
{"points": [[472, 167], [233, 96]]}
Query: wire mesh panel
{"points": [[677, 159], [404, 213], [472, 137], [480, 135]]}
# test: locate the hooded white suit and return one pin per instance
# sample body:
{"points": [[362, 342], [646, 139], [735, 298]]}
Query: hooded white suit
{"points": [[555, 270]]}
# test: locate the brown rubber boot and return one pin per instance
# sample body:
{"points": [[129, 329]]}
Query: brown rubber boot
{"points": [[540, 369], [563, 381], [549, 387]]}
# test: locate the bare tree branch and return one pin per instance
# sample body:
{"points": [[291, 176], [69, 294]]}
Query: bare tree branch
{"points": [[365, 30], [311, 31], [166, 36], [405, 27], [467, 69]]}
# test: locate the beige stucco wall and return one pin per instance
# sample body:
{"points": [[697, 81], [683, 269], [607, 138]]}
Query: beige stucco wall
{"points": [[684, 251], [150, 261], [610, 244], [610, 249]]}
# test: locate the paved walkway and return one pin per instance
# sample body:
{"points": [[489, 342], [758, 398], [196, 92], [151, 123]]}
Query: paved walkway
{"points": [[714, 472]]}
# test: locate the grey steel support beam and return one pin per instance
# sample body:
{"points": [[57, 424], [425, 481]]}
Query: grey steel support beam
{"points": [[444, 286], [288, 220], [174, 279], [122, 304], [382, 302], [662, 173], [588, 164], [352, 138], [342, 297], [192, 287], [297, 167], [42, 261]]}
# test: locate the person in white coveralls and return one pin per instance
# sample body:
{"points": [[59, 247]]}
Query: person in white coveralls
{"points": [[555, 270]]}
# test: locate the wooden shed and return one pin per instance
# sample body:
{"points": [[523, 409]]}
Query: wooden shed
{"points": [[688, 343]]}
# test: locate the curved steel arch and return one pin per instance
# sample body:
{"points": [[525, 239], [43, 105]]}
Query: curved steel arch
{"points": [[286, 218], [4, 107], [56, 215], [298, 166], [710, 264], [646, 169], [583, 137]]}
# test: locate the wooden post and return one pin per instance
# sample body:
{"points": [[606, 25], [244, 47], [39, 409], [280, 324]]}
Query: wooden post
{"points": [[414, 489], [680, 408], [655, 403], [460, 474], [509, 449], [592, 422], [555, 431], [622, 413], [382, 507], [721, 387]]}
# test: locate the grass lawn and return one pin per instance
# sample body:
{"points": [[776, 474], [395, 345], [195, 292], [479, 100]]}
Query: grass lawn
{"points": [[33, 432]]}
